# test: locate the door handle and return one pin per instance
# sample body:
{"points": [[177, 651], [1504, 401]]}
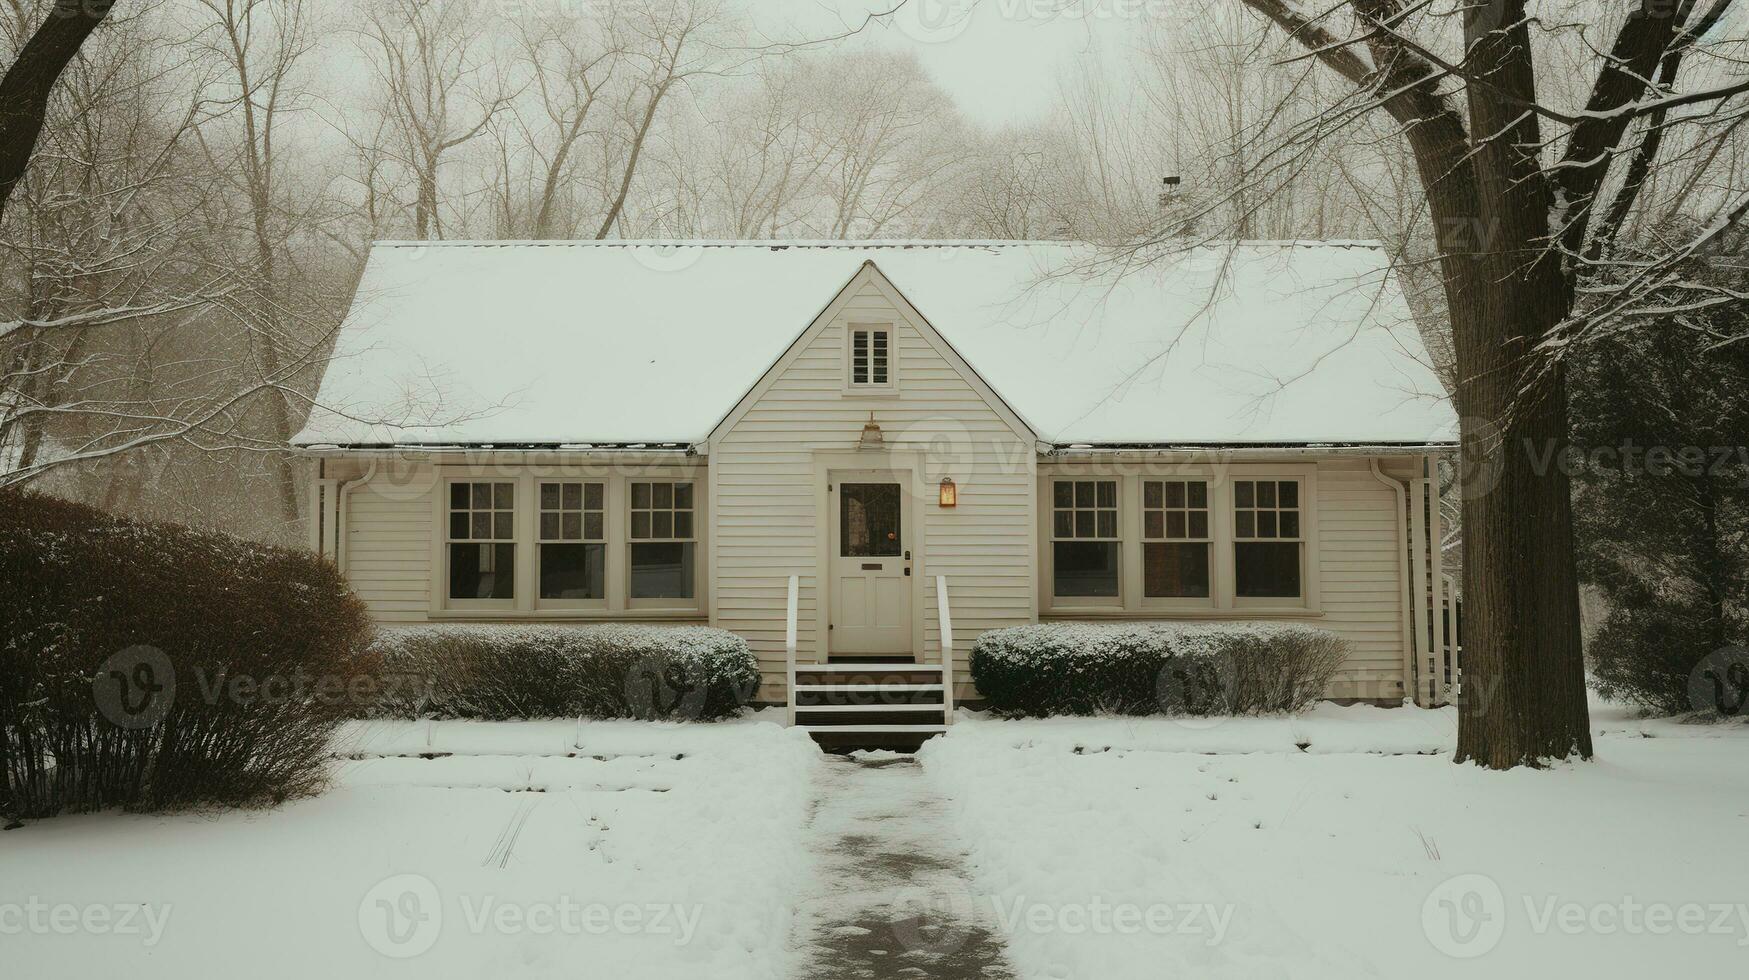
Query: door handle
{"points": [[907, 569]]}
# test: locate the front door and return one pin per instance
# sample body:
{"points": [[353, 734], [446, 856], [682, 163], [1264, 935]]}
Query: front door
{"points": [[871, 568]]}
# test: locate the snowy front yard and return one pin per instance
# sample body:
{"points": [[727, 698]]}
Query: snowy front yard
{"points": [[1342, 843], [1295, 848], [614, 849]]}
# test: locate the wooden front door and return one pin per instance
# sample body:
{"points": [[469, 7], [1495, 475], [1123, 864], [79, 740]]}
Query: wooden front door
{"points": [[870, 567]]}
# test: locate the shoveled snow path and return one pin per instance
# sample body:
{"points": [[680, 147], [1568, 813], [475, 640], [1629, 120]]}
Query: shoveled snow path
{"points": [[889, 897]]}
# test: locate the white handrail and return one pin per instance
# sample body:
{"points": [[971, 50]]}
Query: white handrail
{"points": [[946, 649], [789, 643]]}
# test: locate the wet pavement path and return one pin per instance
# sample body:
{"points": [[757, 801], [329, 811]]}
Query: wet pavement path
{"points": [[892, 897]]}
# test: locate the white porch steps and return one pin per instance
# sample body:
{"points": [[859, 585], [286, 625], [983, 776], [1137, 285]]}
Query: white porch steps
{"points": [[870, 704], [871, 701]]}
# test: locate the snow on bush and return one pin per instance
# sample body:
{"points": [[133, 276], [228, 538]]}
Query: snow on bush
{"points": [[594, 671], [1155, 668], [153, 667]]}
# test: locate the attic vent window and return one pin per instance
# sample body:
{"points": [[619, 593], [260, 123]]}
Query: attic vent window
{"points": [[870, 356]]}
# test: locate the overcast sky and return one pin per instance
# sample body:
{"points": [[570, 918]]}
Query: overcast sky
{"points": [[999, 59]]}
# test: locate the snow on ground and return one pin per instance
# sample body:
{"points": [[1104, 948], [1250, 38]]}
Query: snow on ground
{"points": [[449, 849], [1307, 848]]}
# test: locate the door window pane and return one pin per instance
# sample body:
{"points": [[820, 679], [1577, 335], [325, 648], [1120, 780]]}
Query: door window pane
{"points": [[868, 520]]}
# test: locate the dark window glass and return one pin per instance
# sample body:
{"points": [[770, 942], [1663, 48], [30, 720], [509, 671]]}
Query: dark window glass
{"points": [[1085, 568], [482, 571], [868, 520], [662, 571], [572, 571], [1175, 570], [1266, 569]]}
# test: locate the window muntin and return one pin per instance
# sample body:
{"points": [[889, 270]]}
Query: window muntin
{"points": [[572, 534], [663, 543], [1084, 539], [1175, 539], [870, 355], [1267, 543], [482, 540]]}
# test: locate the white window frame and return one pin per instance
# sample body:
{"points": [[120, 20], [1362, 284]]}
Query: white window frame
{"points": [[1234, 540], [698, 556], [891, 384], [1050, 508], [1221, 603], [518, 506], [541, 540], [1212, 500], [616, 478]]}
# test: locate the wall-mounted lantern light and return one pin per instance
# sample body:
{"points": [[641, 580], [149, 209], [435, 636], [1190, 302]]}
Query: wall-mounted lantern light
{"points": [[950, 494], [871, 435]]}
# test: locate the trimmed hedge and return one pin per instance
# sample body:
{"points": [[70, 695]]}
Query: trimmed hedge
{"points": [[1155, 668], [594, 671], [152, 666]]}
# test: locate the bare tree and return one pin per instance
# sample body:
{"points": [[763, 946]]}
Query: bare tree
{"points": [[30, 79], [670, 42], [260, 45], [1522, 220], [437, 90]]}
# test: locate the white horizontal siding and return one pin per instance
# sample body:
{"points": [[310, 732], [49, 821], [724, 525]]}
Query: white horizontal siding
{"points": [[766, 493]]}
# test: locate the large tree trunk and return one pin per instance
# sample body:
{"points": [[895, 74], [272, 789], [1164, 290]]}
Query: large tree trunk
{"points": [[1523, 674], [1523, 670], [24, 92]]}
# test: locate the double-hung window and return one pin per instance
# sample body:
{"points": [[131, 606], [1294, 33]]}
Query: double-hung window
{"points": [[482, 540], [1175, 539], [1084, 539], [573, 540], [1267, 542], [663, 540]]}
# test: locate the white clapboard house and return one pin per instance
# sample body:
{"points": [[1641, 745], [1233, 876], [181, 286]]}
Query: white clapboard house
{"points": [[853, 453]]}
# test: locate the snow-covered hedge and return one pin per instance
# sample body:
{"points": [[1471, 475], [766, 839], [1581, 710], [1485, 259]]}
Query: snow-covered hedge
{"points": [[1155, 668], [152, 666], [594, 671]]}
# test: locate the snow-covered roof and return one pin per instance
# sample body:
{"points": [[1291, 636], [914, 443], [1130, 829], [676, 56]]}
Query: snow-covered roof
{"points": [[647, 342]]}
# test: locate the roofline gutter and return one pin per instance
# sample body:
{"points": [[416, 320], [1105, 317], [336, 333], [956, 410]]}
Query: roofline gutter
{"points": [[520, 452], [1242, 450]]}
